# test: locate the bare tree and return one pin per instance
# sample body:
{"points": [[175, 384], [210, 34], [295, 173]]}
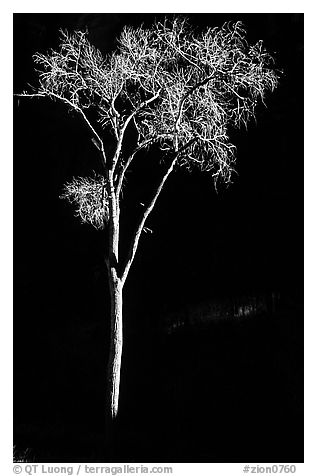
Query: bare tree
{"points": [[179, 91]]}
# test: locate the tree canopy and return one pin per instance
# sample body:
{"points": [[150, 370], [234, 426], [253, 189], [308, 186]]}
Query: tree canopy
{"points": [[180, 90]]}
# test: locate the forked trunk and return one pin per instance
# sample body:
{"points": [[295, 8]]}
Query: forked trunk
{"points": [[115, 352]]}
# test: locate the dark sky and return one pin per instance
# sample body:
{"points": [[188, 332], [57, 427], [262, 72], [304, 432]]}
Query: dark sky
{"points": [[248, 237]]}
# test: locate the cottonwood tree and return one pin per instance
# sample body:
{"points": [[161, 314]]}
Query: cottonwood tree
{"points": [[179, 91]]}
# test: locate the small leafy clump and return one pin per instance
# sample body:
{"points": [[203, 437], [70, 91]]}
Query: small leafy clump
{"points": [[90, 198]]}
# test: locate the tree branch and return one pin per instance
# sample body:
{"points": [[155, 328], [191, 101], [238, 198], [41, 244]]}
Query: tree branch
{"points": [[139, 228], [186, 95], [126, 123], [78, 109], [122, 172]]}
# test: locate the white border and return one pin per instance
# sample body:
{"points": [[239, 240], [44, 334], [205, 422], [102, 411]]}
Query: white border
{"points": [[164, 6], [62, 6]]}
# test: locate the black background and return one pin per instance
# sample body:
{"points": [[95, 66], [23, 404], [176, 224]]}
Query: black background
{"points": [[233, 393]]}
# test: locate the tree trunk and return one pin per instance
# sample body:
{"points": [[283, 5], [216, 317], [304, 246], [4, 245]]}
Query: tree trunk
{"points": [[115, 352]]}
